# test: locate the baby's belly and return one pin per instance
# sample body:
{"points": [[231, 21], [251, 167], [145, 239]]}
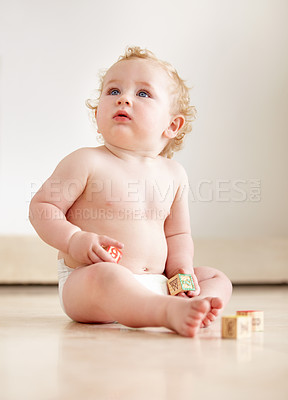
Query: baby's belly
{"points": [[145, 247], [145, 251]]}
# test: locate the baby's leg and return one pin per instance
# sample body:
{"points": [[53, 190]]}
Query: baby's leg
{"points": [[106, 292], [216, 288]]}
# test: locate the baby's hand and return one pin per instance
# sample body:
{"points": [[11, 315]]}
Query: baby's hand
{"points": [[87, 247], [190, 293]]}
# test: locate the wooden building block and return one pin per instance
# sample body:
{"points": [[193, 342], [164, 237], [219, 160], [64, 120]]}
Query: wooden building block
{"points": [[236, 326], [257, 319], [180, 283], [114, 252]]}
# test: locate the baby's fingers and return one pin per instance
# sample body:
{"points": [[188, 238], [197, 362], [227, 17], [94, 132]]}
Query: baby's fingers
{"points": [[93, 256], [193, 293], [102, 254], [196, 292], [106, 241], [181, 294]]}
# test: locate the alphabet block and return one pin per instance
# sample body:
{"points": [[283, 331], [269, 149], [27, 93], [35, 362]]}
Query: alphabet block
{"points": [[236, 326], [257, 319], [114, 252], [180, 283]]}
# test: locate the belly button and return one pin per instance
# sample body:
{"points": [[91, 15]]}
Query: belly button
{"points": [[145, 269]]}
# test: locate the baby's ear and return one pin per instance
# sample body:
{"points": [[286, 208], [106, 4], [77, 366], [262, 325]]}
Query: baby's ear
{"points": [[176, 124]]}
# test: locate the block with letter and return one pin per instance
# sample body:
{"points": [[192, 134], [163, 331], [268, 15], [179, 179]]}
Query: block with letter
{"points": [[114, 252], [180, 283], [236, 326], [257, 319]]}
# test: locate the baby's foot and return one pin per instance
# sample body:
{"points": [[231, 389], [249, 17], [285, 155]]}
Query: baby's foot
{"points": [[185, 316], [216, 305]]}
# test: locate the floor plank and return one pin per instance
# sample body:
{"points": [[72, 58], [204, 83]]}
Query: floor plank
{"points": [[45, 355]]}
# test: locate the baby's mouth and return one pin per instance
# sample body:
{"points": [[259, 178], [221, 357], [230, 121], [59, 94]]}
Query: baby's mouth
{"points": [[122, 115]]}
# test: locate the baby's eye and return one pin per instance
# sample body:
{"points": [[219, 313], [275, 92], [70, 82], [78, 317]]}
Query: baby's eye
{"points": [[114, 92], [143, 93]]}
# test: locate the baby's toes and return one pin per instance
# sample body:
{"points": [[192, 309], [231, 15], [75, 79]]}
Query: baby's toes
{"points": [[216, 304], [210, 317], [206, 322]]}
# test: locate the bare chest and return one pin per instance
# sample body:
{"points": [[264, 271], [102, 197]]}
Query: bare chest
{"points": [[129, 194]]}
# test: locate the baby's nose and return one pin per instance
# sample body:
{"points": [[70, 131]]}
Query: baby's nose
{"points": [[124, 99]]}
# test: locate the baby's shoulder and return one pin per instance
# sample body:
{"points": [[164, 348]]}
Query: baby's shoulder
{"points": [[86, 155], [81, 162], [86, 152], [175, 169]]}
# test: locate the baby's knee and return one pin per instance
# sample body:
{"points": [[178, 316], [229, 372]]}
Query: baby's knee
{"points": [[217, 273], [224, 279], [100, 273], [204, 273]]}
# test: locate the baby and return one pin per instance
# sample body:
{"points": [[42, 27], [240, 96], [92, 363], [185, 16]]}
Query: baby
{"points": [[128, 193]]}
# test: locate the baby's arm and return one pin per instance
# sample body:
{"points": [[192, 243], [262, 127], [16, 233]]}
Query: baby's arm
{"points": [[178, 235], [50, 204]]}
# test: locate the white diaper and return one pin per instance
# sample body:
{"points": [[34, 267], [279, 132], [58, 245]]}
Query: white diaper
{"points": [[63, 273], [155, 282]]}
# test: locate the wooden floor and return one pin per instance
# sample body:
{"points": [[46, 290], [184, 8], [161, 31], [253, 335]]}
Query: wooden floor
{"points": [[46, 356]]}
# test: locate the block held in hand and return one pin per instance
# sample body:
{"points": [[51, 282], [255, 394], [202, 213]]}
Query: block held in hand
{"points": [[114, 252], [180, 283]]}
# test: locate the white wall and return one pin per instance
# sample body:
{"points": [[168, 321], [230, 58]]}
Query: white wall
{"points": [[234, 53]]}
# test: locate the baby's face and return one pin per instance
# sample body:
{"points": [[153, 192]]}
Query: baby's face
{"points": [[135, 105]]}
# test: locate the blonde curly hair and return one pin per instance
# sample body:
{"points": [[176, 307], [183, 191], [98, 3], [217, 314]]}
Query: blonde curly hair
{"points": [[182, 99]]}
